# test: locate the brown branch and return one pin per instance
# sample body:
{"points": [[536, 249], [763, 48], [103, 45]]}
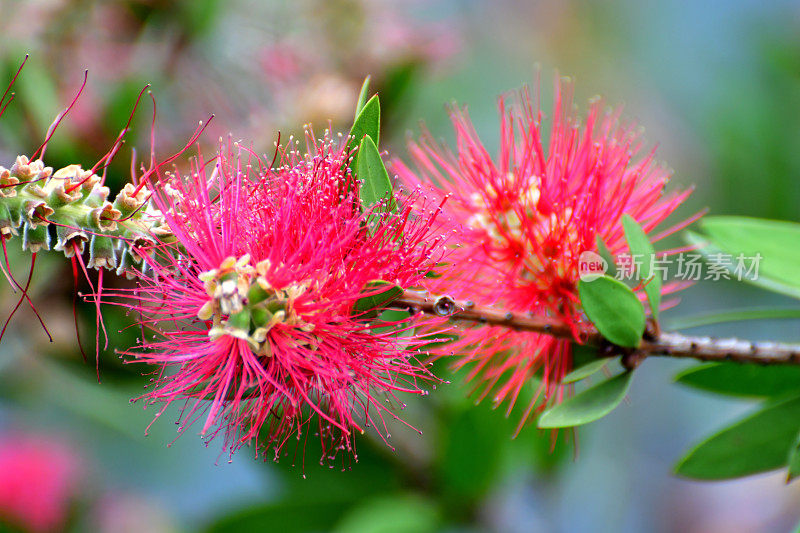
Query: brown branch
{"points": [[668, 344]]}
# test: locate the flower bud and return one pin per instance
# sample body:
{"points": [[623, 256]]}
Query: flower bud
{"points": [[35, 238], [70, 239], [101, 253], [9, 222], [129, 201]]}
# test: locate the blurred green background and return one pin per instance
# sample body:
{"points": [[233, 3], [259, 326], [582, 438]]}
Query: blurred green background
{"points": [[717, 85]]}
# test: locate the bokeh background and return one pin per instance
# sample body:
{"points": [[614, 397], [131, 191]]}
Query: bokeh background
{"points": [[717, 85]]}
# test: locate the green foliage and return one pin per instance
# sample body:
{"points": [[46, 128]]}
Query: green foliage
{"points": [[614, 309], [734, 315], [751, 125], [640, 245], [472, 433], [793, 469], [381, 293], [362, 98], [368, 164], [198, 16], [376, 185], [776, 241], [316, 491], [589, 405], [367, 123], [583, 354], [608, 257], [474, 448], [584, 371], [398, 91], [8, 526], [398, 319], [402, 513], [736, 379], [757, 443], [287, 517], [106, 408]]}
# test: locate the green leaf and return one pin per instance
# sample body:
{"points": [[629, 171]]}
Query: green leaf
{"points": [[583, 354], [372, 172], [794, 461], [736, 379], [392, 316], [640, 245], [589, 405], [776, 241], [196, 18], [362, 96], [399, 513], [734, 315], [457, 472], [605, 253], [584, 371], [287, 517], [367, 123], [614, 309], [757, 443], [381, 293]]}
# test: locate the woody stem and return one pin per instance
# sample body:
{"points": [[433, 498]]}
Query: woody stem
{"points": [[667, 344]]}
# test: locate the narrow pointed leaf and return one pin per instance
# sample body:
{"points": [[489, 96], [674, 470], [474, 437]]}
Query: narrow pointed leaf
{"points": [[775, 240], [757, 443], [368, 122], [362, 96], [640, 245], [736, 379], [614, 309], [584, 371], [605, 253], [370, 169], [735, 315], [589, 405]]}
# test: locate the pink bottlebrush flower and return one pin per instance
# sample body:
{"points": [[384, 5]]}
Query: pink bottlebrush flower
{"points": [[38, 478], [253, 302], [524, 219]]}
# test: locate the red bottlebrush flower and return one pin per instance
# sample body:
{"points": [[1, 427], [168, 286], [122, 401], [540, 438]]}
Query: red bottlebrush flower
{"points": [[254, 301], [524, 219], [38, 478]]}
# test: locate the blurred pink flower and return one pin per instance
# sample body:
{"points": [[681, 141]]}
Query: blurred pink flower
{"points": [[38, 477]]}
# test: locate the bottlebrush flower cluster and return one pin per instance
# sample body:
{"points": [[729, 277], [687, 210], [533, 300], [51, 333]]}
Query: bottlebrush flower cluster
{"points": [[253, 304], [262, 290], [524, 219]]}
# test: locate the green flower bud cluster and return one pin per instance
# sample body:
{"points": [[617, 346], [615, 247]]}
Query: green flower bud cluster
{"points": [[75, 204]]}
